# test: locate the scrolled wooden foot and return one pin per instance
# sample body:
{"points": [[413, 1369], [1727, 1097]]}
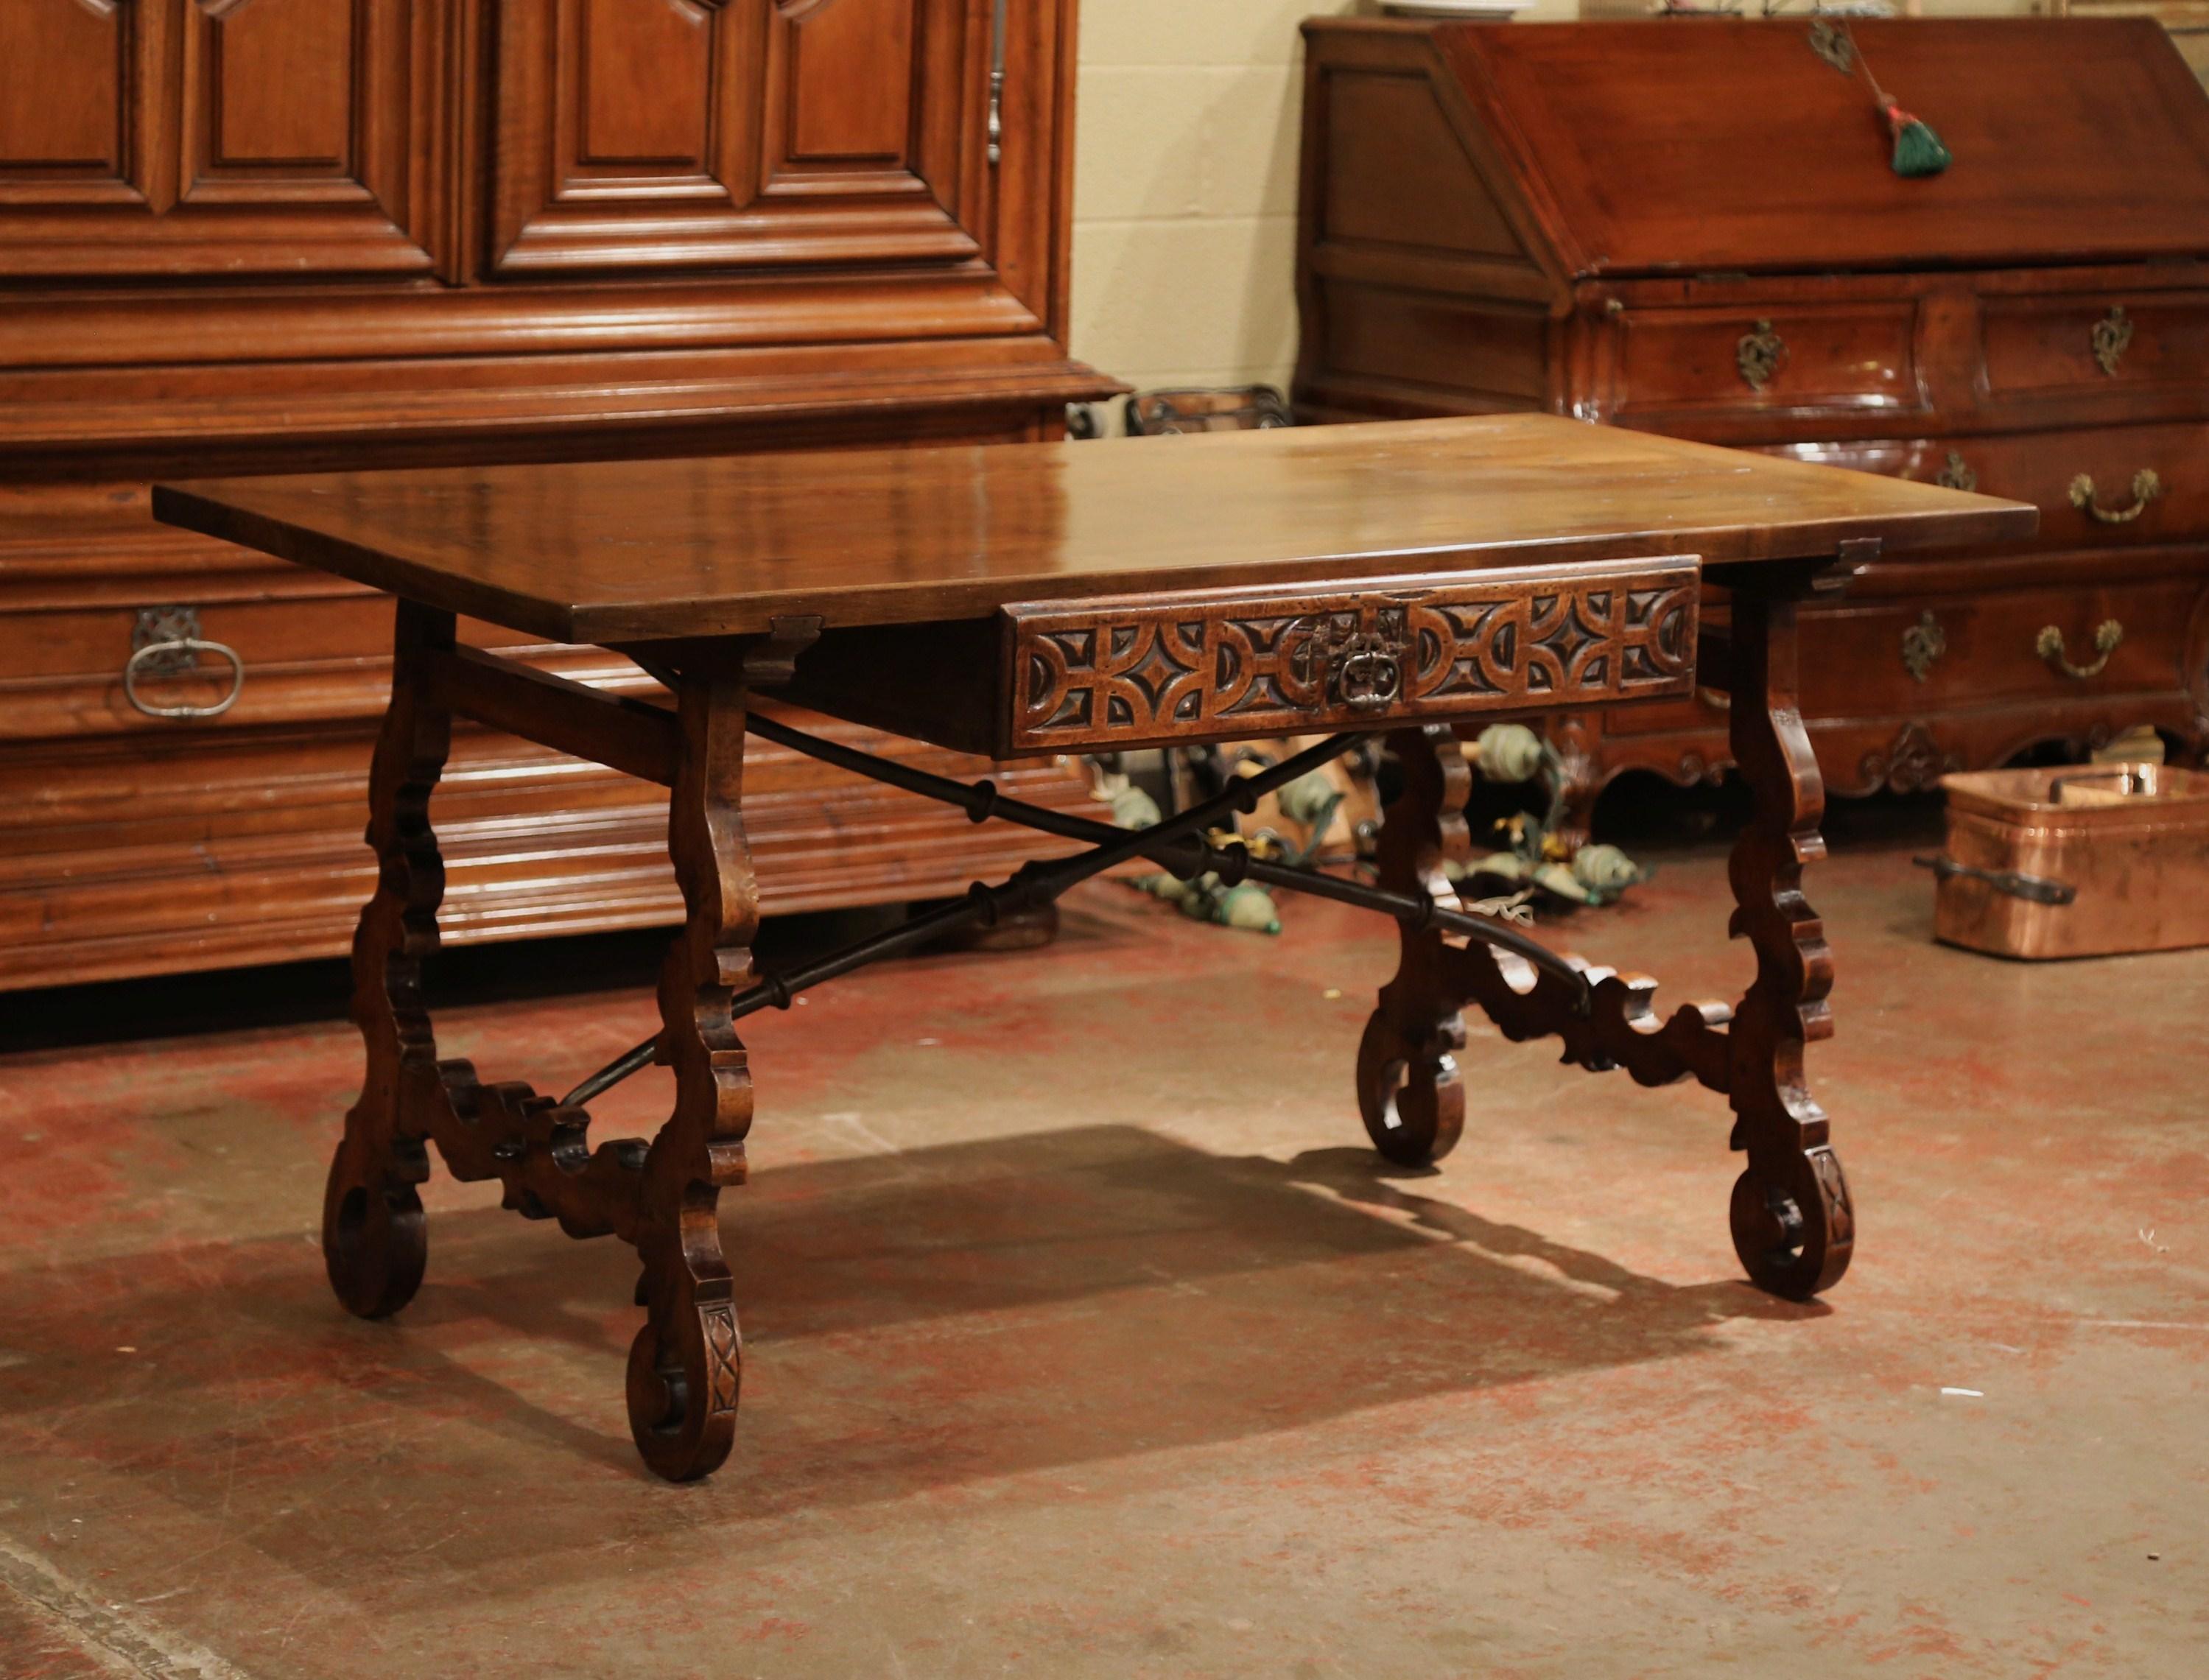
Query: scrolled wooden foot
{"points": [[376, 1242], [682, 1398], [1793, 1228], [1792, 1223], [685, 1366], [1408, 1090]]}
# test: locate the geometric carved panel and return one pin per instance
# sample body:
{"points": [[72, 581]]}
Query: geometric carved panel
{"points": [[1209, 664]]}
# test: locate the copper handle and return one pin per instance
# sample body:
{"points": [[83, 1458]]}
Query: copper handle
{"points": [[2049, 646], [160, 653], [2034, 888], [2147, 486]]}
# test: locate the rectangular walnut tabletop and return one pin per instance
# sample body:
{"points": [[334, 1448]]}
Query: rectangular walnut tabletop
{"points": [[1388, 581], [645, 551]]}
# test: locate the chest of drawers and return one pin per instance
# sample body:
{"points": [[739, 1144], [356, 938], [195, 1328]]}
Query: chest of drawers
{"points": [[1692, 227], [363, 233]]}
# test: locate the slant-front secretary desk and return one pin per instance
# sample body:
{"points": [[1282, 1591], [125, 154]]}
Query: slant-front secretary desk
{"points": [[1693, 226], [1055, 597]]}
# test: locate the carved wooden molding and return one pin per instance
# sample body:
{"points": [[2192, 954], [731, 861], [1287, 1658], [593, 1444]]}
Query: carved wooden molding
{"points": [[1913, 763], [1121, 672]]}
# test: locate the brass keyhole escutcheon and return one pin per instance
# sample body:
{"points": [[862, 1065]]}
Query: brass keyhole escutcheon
{"points": [[1957, 474], [2113, 336], [1924, 644], [1758, 354]]}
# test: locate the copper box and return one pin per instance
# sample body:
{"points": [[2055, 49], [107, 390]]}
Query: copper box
{"points": [[2074, 862]]}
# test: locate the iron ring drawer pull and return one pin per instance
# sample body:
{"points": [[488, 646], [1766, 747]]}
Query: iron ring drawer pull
{"points": [[2107, 636], [2147, 486], [2032, 888], [161, 653], [1370, 679]]}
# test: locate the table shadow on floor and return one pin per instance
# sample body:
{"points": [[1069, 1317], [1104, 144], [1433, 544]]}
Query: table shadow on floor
{"points": [[939, 1317]]}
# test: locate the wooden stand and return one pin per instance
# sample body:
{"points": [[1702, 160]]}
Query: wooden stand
{"points": [[1791, 1220], [1403, 580]]}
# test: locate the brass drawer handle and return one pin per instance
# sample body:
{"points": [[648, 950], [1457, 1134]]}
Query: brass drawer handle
{"points": [[1957, 474], [2147, 486], [167, 643], [1758, 355], [2049, 646]]}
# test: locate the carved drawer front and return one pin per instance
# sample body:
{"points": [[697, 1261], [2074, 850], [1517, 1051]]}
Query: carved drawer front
{"points": [[1849, 357], [2096, 343], [1218, 664], [2041, 645]]}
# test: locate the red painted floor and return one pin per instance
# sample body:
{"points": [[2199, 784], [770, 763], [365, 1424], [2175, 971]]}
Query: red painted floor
{"points": [[1086, 1338]]}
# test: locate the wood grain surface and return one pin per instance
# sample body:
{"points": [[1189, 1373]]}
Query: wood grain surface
{"points": [[645, 551]]}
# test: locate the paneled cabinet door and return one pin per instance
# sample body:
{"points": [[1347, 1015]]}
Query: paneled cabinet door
{"points": [[690, 134], [153, 137]]}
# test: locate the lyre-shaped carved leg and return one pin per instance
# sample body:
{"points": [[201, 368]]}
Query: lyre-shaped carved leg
{"points": [[1408, 1088], [1793, 1224], [373, 1240], [685, 1365]]}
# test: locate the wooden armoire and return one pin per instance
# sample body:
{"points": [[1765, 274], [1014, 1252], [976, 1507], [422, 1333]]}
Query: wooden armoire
{"points": [[1691, 225], [262, 235]]}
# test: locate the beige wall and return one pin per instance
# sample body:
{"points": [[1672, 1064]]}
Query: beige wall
{"points": [[1185, 184], [1185, 187]]}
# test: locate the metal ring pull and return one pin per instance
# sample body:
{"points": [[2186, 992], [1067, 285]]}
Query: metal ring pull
{"points": [[2147, 486], [1370, 679], [2049, 646], [160, 654]]}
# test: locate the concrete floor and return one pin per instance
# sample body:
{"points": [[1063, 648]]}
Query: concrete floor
{"points": [[1085, 1338]]}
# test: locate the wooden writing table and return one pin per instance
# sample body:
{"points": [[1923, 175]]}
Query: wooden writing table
{"points": [[1061, 597]]}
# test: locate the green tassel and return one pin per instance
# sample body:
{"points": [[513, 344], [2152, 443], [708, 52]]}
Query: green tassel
{"points": [[1917, 150]]}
